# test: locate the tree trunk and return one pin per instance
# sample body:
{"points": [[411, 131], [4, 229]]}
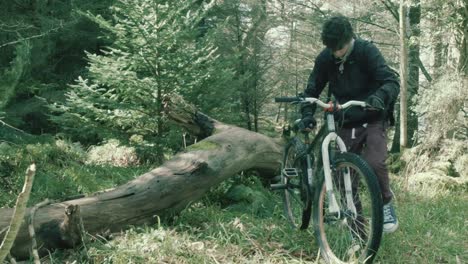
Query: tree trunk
{"points": [[414, 16], [437, 45], [255, 114], [404, 76], [395, 148], [248, 116], [463, 43], [224, 151]]}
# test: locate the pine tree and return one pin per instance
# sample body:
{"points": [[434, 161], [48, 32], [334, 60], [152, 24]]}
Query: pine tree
{"points": [[157, 51]]}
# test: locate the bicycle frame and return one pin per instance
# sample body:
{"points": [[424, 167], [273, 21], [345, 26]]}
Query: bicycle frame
{"points": [[332, 136], [329, 136], [344, 227]]}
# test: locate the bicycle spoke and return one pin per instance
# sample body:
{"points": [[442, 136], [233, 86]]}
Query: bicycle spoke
{"points": [[351, 237], [297, 200], [354, 233]]}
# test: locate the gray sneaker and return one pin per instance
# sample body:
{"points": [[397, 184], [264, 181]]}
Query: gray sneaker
{"points": [[390, 220]]}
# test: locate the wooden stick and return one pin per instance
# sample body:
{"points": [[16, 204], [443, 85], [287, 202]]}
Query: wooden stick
{"points": [[18, 214], [32, 233]]}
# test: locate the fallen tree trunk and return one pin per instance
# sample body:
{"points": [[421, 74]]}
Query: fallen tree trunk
{"points": [[224, 151]]}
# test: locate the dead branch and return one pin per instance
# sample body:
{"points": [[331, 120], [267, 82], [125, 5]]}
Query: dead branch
{"points": [[18, 213], [32, 233]]}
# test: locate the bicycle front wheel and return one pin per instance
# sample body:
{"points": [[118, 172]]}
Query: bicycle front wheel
{"points": [[297, 198], [349, 236]]}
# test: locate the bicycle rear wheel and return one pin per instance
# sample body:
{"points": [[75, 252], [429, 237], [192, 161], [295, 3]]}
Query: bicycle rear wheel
{"points": [[297, 198], [347, 237]]}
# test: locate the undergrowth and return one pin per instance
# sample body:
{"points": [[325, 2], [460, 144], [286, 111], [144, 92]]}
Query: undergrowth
{"points": [[239, 221], [63, 170], [223, 229]]}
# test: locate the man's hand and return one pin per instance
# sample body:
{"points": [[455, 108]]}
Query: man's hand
{"points": [[374, 101], [307, 123]]}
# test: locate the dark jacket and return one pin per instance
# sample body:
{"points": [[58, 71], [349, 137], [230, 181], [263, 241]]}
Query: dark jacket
{"points": [[365, 73]]}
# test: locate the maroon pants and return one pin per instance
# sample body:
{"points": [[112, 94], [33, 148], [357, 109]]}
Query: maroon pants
{"points": [[371, 143]]}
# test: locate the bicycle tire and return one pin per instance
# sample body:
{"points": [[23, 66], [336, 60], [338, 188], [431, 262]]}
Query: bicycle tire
{"points": [[349, 238], [297, 197]]}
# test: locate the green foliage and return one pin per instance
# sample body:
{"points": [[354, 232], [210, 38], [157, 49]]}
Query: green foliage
{"points": [[42, 44], [395, 163], [203, 145], [61, 170], [14, 160], [241, 39], [245, 192], [156, 51], [256, 200], [12, 75]]}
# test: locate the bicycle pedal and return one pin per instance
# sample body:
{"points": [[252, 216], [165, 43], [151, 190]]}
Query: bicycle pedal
{"points": [[290, 172]]}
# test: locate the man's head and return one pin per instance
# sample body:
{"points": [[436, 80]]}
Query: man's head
{"points": [[337, 33]]}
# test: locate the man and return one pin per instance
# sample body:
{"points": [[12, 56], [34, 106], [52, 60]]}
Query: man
{"points": [[355, 70]]}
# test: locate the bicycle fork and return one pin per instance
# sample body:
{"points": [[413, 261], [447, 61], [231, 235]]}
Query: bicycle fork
{"points": [[333, 204]]}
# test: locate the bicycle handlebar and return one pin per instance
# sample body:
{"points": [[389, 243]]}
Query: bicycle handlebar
{"points": [[317, 101], [288, 99]]}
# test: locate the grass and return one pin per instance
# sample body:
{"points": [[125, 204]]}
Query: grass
{"points": [[433, 228], [431, 231], [237, 222], [207, 233], [61, 170]]}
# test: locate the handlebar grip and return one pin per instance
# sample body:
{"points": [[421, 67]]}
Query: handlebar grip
{"points": [[287, 99]]}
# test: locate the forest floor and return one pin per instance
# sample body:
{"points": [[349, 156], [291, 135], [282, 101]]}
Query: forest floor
{"points": [[239, 221], [433, 229]]}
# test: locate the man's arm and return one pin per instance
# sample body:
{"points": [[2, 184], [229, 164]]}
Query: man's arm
{"points": [[378, 68], [315, 85], [317, 79]]}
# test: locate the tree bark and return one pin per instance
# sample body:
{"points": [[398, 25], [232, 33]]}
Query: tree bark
{"points": [[17, 215], [437, 45], [224, 151], [463, 36], [404, 76], [395, 148], [414, 15]]}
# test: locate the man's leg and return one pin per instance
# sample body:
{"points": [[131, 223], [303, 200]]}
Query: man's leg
{"points": [[375, 153]]}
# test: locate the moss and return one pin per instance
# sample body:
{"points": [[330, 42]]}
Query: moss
{"points": [[216, 131], [203, 145], [395, 163]]}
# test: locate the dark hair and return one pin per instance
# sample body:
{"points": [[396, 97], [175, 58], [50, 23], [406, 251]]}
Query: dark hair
{"points": [[336, 32]]}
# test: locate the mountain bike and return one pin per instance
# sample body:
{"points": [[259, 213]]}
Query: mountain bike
{"points": [[337, 188]]}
